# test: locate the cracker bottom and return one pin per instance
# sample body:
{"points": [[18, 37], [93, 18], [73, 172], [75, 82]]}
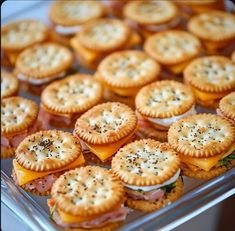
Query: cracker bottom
{"points": [[152, 133], [108, 227], [204, 175], [147, 206], [7, 152], [62, 39]]}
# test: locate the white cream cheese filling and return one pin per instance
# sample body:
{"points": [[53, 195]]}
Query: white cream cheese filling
{"points": [[42, 80], [157, 186], [67, 30], [168, 121]]}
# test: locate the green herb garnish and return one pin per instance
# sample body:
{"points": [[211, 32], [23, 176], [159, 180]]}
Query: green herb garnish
{"points": [[227, 160], [168, 188], [52, 210]]}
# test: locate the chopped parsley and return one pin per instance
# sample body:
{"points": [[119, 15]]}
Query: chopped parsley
{"points": [[52, 210], [168, 188], [227, 160]]}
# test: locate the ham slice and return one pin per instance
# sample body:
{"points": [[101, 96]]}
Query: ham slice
{"points": [[111, 217], [47, 118], [151, 196], [41, 184], [15, 140], [4, 141]]}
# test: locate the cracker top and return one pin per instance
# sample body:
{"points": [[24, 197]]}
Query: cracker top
{"points": [[44, 60], [227, 105], [9, 84], [17, 115], [48, 150], [21, 34], [104, 34], [106, 123], [201, 135], [74, 94], [145, 162], [213, 26], [72, 13], [172, 46], [211, 74], [164, 99], [86, 191], [128, 69], [150, 12]]}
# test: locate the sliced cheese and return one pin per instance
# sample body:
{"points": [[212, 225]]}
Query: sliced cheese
{"points": [[135, 39], [178, 68], [204, 96], [68, 218], [12, 57], [125, 92], [206, 163], [103, 152], [90, 56], [85, 54], [24, 175]]}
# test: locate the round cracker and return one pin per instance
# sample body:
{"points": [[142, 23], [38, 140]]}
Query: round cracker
{"points": [[211, 74], [127, 69], [72, 95], [172, 47], [9, 84], [47, 150], [227, 106], [88, 191], [201, 135], [204, 175], [104, 35], [20, 34], [147, 206], [106, 123], [72, 13], [164, 99], [145, 162], [44, 61], [150, 12], [216, 26], [17, 115]]}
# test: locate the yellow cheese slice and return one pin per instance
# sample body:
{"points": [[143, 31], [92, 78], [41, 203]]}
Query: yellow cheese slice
{"points": [[125, 92], [24, 175], [135, 39], [12, 57], [90, 56], [68, 218], [206, 163], [178, 68], [86, 55], [204, 96], [105, 151]]}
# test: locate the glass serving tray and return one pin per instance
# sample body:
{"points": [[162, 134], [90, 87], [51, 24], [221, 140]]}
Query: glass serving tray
{"points": [[32, 210]]}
